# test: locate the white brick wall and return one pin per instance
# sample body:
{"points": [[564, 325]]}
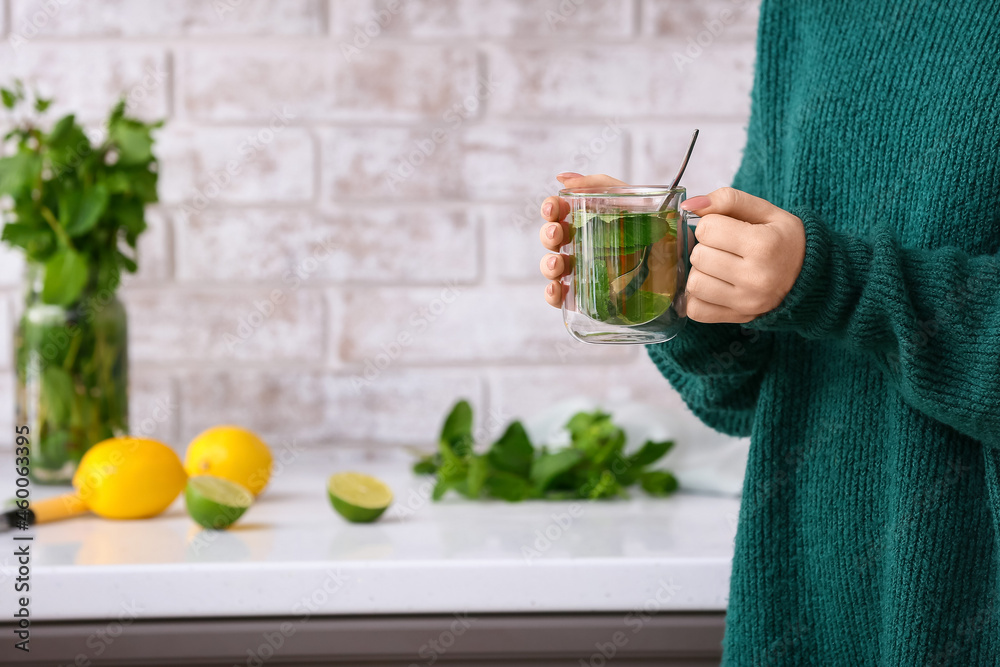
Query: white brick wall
{"points": [[488, 18], [318, 84], [153, 407], [86, 78], [457, 324], [326, 177], [618, 80], [207, 166], [315, 407], [134, 18], [155, 249], [353, 245]]}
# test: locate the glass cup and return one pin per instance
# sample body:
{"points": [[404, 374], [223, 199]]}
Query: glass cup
{"points": [[628, 252]]}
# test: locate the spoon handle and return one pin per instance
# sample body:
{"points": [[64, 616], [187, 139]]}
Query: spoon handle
{"points": [[687, 156]]}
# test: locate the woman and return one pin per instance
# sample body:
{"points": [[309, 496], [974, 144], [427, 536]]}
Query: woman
{"points": [[845, 307]]}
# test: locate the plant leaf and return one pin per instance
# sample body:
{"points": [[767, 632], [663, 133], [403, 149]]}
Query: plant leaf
{"points": [[134, 142], [9, 98], [582, 421], [443, 486], [69, 203], [643, 306], [596, 435], [130, 214], [440, 488], [143, 184], [55, 450], [658, 483], [69, 146], [627, 231], [19, 172], [478, 471], [457, 430], [26, 236], [117, 112], [425, 466], [126, 262], [650, 452], [92, 206], [109, 275], [65, 277], [58, 391], [507, 487], [62, 133], [602, 290], [548, 467], [513, 452], [601, 484]]}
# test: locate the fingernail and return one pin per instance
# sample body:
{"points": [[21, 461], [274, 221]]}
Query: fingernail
{"points": [[695, 203], [569, 174], [551, 231], [549, 290], [547, 208], [552, 262]]}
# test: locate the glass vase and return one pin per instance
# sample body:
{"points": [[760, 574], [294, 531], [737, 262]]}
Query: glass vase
{"points": [[72, 376]]}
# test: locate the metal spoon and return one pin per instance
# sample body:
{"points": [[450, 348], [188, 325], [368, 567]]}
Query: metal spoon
{"points": [[680, 172], [622, 282]]}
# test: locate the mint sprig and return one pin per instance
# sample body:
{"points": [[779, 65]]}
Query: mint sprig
{"points": [[594, 465], [76, 207]]}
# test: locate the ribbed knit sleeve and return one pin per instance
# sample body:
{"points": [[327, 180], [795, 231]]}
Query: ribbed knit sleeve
{"points": [[931, 318], [717, 369]]}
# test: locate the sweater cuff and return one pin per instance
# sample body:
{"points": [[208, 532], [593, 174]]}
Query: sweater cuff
{"points": [[710, 350], [804, 305]]}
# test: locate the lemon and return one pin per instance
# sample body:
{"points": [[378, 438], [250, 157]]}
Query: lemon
{"points": [[215, 502], [129, 478], [357, 497], [232, 453]]}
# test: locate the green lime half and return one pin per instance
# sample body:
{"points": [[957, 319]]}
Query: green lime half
{"points": [[215, 502], [357, 497]]}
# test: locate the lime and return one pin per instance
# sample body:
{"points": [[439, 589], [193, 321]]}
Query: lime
{"points": [[215, 502], [358, 497]]}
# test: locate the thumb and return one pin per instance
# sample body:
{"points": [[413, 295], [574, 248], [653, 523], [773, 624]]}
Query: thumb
{"points": [[735, 204], [574, 180]]}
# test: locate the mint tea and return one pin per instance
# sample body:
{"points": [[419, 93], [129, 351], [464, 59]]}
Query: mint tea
{"points": [[628, 266]]}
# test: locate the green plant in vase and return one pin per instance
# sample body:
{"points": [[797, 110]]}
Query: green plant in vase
{"points": [[76, 208]]}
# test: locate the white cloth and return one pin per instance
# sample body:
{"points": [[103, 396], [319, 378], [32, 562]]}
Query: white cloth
{"points": [[703, 460]]}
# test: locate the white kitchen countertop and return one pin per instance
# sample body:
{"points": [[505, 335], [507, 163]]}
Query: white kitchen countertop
{"points": [[291, 555]]}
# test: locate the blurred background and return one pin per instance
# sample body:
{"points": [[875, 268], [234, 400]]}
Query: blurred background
{"points": [[347, 238]]}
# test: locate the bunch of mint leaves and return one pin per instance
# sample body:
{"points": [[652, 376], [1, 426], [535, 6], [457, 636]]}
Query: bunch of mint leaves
{"points": [[594, 466], [76, 208]]}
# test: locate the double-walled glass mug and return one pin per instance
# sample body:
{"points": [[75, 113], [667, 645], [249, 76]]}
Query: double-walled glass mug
{"points": [[628, 252]]}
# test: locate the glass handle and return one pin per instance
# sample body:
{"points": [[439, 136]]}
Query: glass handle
{"points": [[692, 225]]}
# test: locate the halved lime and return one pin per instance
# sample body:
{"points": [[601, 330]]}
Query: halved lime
{"points": [[215, 502], [358, 497]]}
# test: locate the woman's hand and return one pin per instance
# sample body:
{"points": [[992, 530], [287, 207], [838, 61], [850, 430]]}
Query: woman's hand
{"points": [[555, 232], [748, 256]]}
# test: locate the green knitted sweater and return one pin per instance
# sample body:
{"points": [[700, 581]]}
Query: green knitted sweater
{"points": [[869, 530]]}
